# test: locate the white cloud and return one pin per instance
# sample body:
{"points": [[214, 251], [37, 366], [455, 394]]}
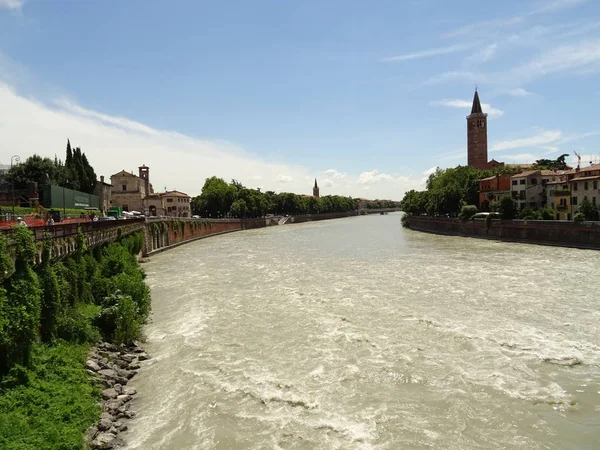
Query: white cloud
{"points": [[583, 56], [335, 174], [456, 154], [485, 25], [576, 137], [114, 143], [457, 75], [542, 138], [465, 104], [430, 171], [327, 183], [426, 53], [373, 177], [523, 158], [11, 4], [557, 5], [519, 92], [487, 53], [490, 26], [284, 178]]}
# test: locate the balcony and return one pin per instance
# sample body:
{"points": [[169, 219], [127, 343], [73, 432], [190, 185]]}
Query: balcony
{"points": [[560, 207], [561, 193]]}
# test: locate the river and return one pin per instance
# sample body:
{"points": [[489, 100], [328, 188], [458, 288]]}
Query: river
{"points": [[358, 334]]}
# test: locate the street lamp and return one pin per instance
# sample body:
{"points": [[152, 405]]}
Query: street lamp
{"points": [[12, 180], [64, 202]]}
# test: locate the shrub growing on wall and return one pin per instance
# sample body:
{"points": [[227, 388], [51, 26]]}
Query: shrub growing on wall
{"points": [[20, 309]]}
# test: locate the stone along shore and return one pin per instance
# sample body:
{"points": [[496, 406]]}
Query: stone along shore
{"points": [[113, 366]]}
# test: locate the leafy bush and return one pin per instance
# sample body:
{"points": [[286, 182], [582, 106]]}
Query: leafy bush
{"points": [[467, 211], [119, 318], [528, 213], [76, 324], [405, 221], [578, 217]]}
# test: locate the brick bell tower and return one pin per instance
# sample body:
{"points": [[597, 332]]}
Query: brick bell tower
{"points": [[477, 148]]}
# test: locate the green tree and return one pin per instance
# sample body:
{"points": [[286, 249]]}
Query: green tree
{"points": [[239, 208], [507, 208], [216, 198], [589, 211]]}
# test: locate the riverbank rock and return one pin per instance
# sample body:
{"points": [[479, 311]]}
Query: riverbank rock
{"points": [[113, 367]]}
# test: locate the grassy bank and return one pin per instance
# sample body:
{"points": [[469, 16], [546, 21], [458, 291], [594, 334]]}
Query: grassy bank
{"points": [[49, 404]]}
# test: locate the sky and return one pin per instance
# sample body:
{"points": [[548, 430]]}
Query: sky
{"points": [[366, 97]]}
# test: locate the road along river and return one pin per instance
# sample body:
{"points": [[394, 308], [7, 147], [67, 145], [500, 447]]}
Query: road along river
{"points": [[357, 334]]}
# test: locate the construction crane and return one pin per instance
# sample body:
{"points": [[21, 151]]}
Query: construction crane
{"points": [[578, 159]]}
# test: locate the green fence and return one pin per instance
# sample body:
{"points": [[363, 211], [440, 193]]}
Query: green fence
{"points": [[52, 196]]}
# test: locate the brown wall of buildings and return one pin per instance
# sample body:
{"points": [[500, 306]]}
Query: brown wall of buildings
{"points": [[564, 234]]}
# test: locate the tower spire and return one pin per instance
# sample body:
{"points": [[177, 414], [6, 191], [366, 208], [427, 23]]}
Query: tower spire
{"points": [[476, 108]]}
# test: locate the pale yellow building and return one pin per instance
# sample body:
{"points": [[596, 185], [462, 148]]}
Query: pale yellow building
{"points": [[176, 204]]}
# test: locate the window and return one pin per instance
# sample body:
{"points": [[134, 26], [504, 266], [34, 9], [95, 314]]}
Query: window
{"points": [[124, 187], [514, 182], [585, 198], [585, 186], [593, 201], [595, 184], [574, 203], [574, 185], [522, 195], [169, 200], [534, 181], [521, 181], [125, 208]]}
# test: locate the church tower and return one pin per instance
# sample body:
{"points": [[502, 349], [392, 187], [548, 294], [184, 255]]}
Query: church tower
{"points": [[477, 150], [316, 190]]}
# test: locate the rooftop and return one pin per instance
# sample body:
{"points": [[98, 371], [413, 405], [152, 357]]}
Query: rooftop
{"points": [[174, 194]]}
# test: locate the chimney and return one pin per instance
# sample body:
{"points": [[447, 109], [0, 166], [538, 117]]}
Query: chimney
{"points": [[101, 178]]}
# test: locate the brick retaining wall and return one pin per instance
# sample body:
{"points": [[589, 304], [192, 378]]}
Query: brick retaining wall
{"points": [[546, 232]]}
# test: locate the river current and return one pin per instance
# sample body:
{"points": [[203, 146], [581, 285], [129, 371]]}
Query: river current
{"points": [[358, 334]]}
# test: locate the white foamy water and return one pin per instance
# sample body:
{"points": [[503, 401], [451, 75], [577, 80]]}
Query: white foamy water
{"points": [[357, 334]]}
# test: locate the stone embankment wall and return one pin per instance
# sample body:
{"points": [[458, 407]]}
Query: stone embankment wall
{"points": [[161, 235], [324, 216], [550, 232]]}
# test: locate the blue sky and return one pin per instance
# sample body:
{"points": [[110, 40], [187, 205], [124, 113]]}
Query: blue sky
{"points": [[366, 96]]}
